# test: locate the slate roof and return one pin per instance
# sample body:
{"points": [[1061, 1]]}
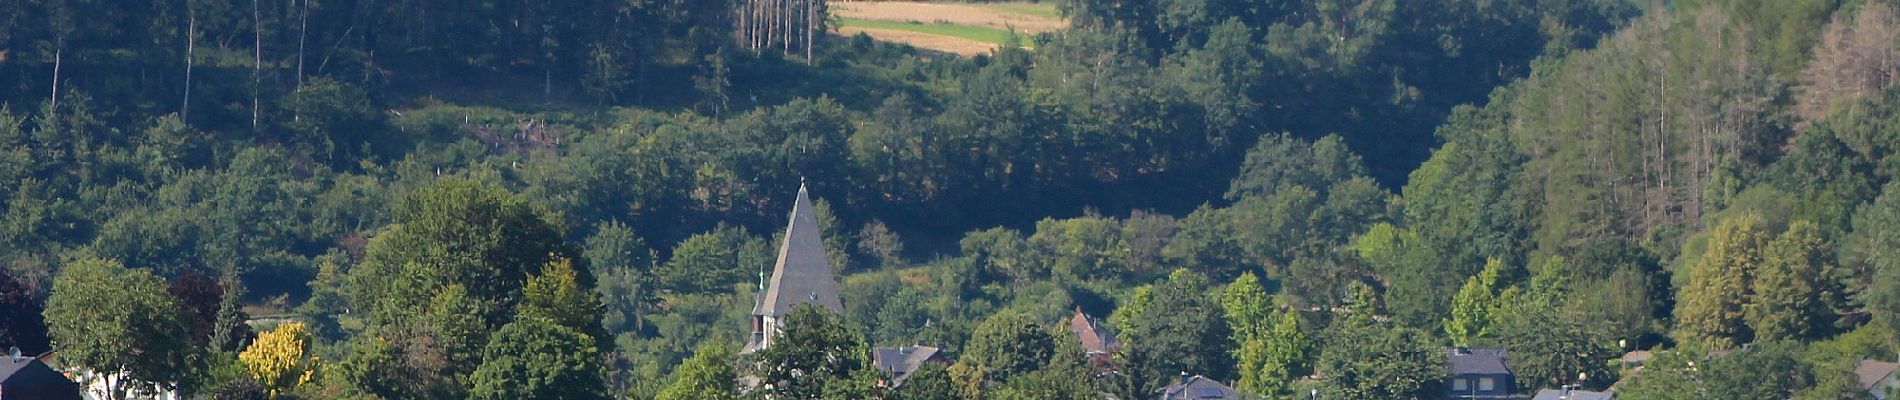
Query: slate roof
{"points": [[1554, 394], [1872, 372], [1199, 387], [1095, 338], [28, 378], [901, 361], [1478, 361], [803, 271]]}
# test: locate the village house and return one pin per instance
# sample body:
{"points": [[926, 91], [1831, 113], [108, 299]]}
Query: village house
{"points": [[1098, 343], [1479, 373], [1200, 388], [899, 362], [23, 377], [1877, 378]]}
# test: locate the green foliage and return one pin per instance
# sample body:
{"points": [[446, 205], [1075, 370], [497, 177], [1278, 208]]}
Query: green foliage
{"points": [[120, 322], [1004, 251], [1279, 162], [1248, 309], [1270, 363], [534, 357], [1825, 177], [1471, 309], [556, 294], [622, 266], [240, 389], [707, 375], [1419, 291], [930, 382], [877, 242], [1052, 383], [1180, 329], [1766, 371], [1008, 344], [1797, 290], [1209, 242], [813, 348], [1137, 304], [455, 232], [1552, 342], [1082, 248], [714, 261], [1605, 161], [1366, 359], [334, 121], [1711, 298], [1875, 245]]}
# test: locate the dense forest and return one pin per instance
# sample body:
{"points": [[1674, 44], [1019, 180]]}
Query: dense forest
{"points": [[355, 199]]}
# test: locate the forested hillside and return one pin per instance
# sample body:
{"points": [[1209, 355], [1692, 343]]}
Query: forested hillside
{"points": [[581, 199]]}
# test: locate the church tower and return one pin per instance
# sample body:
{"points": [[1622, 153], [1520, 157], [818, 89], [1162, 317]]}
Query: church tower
{"points": [[801, 275]]}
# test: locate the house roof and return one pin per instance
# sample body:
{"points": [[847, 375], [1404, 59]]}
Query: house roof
{"points": [[28, 378], [1199, 387], [901, 361], [803, 271], [1637, 357], [1555, 394], [1872, 372], [1478, 361], [1095, 338]]}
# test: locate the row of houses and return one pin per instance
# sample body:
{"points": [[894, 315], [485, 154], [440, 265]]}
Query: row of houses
{"points": [[802, 274]]}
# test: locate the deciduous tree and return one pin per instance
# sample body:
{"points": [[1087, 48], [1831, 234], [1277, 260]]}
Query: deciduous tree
{"points": [[278, 360], [119, 322], [1471, 308], [1368, 359], [1181, 330], [538, 358], [1796, 288], [813, 348], [1006, 344], [22, 324], [708, 375], [1710, 303]]}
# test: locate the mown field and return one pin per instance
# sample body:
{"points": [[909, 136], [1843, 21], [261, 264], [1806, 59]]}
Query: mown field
{"points": [[947, 27]]}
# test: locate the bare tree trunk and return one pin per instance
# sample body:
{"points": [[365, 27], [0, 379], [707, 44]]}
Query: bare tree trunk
{"points": [[811, 29], [303, 31], [774, 16], [57, 49], [191, 58], [785, 37], [257, 61]]}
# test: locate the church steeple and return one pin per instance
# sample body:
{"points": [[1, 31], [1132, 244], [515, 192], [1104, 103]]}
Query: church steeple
{"points": [[801, 275]]}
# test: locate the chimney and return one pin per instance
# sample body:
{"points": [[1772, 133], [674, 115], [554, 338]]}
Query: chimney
{"points": [[1183, 379]]}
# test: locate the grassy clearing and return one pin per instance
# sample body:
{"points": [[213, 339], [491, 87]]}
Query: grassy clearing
{"points": [[1045, 10], [976, 33]]}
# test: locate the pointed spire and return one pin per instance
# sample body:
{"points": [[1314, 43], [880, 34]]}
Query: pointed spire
{"points": [[802, 266]]}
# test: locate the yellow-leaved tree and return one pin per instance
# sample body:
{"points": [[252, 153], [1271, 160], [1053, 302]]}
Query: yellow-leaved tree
{"points": [[277, 358]]}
